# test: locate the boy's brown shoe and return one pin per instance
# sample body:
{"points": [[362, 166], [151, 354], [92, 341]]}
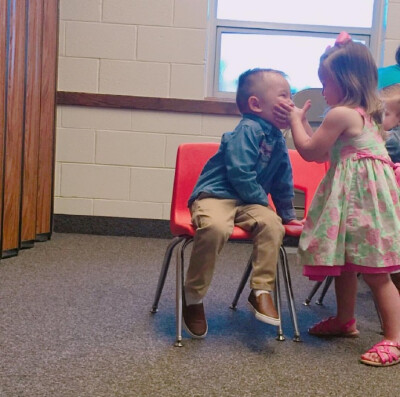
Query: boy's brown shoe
{"points": [[264, 308], [194, 320]]}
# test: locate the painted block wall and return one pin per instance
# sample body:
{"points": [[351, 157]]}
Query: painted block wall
{"points": [[120, 163]]}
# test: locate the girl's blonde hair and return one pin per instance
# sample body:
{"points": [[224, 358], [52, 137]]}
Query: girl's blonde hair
{"points": [[353, 68]]}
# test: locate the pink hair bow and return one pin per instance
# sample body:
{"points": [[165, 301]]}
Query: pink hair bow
{"points": [[341, 40]]}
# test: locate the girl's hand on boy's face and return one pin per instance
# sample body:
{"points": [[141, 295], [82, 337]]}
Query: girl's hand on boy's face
{"points": [[302, 112], [281, 112], [297, 113]]}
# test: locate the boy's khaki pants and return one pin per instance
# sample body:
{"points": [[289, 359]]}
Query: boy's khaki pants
{"points": [[214, 220]]}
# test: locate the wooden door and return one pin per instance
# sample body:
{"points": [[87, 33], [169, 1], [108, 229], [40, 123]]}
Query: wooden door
{"points": [[28, 73], [47, 122]]}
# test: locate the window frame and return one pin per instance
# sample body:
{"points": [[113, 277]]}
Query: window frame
{"points": [[373, 37]]}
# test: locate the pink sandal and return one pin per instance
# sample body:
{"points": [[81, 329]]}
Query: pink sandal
{"points": [[386, 357], [330, 327]]}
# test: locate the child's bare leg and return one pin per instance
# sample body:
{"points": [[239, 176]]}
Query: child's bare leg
{"points": [[346, 291], [388, 301], [396, 280], [343, 325]]}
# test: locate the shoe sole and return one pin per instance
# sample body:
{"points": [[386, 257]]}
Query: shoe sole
{"points": [[354, 334], [194, 336], [378, 364], [263, 318]]}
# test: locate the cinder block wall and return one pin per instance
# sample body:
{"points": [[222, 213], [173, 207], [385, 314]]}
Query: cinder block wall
{"points": [[120, 163]]}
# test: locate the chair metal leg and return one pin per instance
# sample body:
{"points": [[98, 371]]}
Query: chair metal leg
{"points": [[277, 295], [289, 292], [242, 284], [328, 282], [164, 271], [312, 293], [179, 290]]}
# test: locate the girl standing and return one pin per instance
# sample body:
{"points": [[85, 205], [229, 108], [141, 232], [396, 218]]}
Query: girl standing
{"points": [[353, 225]]}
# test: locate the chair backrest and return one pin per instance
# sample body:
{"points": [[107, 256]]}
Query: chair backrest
{"points": [[306, 176], [319, 105], [315, 114], [190, 160]]}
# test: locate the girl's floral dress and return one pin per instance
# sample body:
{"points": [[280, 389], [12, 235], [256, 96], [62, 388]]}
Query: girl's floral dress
{"points": [[354, 220]]}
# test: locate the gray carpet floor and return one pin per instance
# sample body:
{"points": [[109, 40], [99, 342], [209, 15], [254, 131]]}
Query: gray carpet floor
{"points": [[75, 321]]}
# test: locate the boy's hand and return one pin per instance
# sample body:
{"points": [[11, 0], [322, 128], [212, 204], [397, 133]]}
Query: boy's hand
{"points": [[296, 222]]}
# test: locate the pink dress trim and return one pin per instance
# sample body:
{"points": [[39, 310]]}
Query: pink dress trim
{"points": [[318, 273], [395, 166]]}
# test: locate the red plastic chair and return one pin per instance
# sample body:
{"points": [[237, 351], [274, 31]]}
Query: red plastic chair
{"points": [[191, 158]]}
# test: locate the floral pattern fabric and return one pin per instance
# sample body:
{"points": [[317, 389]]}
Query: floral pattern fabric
{"points": [[354, 220]]}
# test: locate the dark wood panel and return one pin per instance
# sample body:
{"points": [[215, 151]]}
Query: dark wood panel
{"points": [[3, 57], [147, 103], [32, 122], [14, 125], [44, 208]]}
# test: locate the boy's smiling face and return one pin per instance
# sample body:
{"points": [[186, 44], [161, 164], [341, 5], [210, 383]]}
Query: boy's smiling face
{"points": [[271, 90], [391, 117]]}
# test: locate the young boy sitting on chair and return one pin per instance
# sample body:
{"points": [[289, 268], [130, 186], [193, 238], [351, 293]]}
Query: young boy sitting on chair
{"points": [[233, 189]]}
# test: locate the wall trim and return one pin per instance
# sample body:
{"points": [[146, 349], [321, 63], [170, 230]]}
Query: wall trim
{"points": [[147, 103], [111, 226]]}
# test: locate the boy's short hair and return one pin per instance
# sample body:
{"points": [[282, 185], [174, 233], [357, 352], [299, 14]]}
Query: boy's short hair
{"points": [[391, 93], [246, 83]]}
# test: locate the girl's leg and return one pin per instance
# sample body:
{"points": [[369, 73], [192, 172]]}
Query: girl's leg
{"points": [[346, 291], [388, 300], [343, 324]]}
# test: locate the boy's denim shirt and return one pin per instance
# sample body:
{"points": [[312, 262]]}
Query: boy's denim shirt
{"points": [[393, 144], [252, 162]]}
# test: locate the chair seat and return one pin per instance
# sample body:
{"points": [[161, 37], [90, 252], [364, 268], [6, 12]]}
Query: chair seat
{"points": [[181, 225], [187, 229]]}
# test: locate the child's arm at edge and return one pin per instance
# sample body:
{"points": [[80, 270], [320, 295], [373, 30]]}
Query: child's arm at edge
{"points": [[317, 146]]}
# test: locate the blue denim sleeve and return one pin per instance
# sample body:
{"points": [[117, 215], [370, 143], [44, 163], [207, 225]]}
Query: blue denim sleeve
{"points": [[241, 156], [393, 145], [286, 211], [282, 190]]}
